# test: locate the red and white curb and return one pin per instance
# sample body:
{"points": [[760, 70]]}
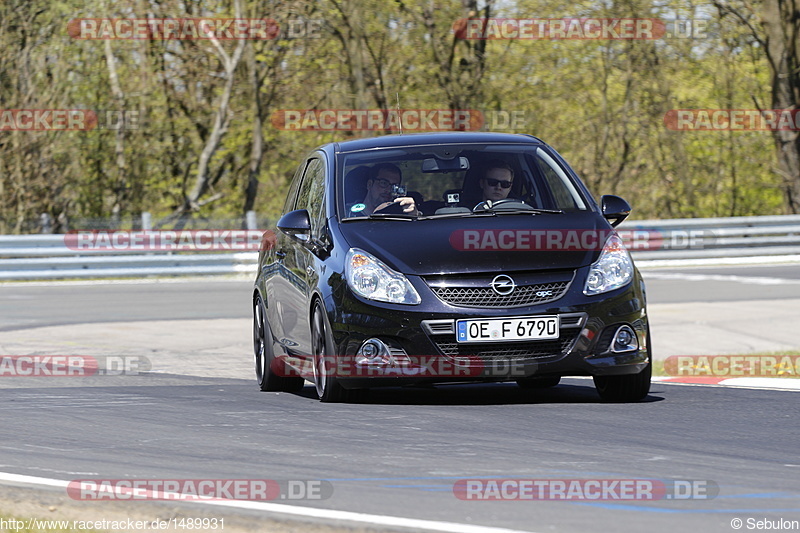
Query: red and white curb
{"points": [[792, 384]]}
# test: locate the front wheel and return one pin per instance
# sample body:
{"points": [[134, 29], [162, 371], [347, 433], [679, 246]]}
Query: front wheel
{"points": [[322, 345], [627, 388]]}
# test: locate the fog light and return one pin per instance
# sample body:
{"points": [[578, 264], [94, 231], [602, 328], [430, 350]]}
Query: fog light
{"points": [[373, 351], [625, 340]]}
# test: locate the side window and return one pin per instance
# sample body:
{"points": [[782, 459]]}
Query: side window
{"points": [[312, 197], [563, 191], [560, 196]]}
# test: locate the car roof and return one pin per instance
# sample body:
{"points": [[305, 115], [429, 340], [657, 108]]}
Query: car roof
{"points": [[421, 139]]}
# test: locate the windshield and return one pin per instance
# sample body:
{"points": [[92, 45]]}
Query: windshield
{"points": [[455, 180]]}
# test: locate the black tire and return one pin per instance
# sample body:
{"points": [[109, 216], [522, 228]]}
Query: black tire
{"points": [[539, 383], [265, 362], [627, 388], [322, 346]]}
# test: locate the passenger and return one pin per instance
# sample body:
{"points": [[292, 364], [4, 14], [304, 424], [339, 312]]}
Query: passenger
{"points": [[497, 180]]}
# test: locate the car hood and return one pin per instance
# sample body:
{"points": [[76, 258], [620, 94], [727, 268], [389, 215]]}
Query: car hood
{"points": [[482, 244]]}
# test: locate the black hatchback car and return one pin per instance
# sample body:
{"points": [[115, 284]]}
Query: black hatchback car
{"points": [[449, 257]]}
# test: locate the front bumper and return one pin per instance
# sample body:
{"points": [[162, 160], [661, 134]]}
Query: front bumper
{"points": [[424, 347]]}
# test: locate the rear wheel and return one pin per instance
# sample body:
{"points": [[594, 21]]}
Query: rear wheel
{"points": [[266, 363], [539, 383]]}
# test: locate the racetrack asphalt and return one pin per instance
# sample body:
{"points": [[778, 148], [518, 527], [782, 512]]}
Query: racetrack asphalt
{"points": [[199, 414]]}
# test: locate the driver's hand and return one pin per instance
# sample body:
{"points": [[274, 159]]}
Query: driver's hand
{"points": [[408, 204]]}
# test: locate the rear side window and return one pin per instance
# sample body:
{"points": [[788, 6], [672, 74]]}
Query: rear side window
{"points": [[312, 197], [291, 198]]}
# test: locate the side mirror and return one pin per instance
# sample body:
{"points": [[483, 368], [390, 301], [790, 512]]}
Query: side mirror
{"points": [[615, 209], [296, 224]]}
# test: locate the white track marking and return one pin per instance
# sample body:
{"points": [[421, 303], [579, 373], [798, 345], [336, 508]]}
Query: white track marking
{"points": [[327, 514], [223, 278], [749, 280], [773, 384], [716, 261]]}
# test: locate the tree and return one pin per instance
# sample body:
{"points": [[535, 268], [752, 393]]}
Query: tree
{"points": [[781, 23], [778, 34]]}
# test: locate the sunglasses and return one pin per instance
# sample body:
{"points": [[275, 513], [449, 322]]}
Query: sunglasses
{"points": [[494, 183]]}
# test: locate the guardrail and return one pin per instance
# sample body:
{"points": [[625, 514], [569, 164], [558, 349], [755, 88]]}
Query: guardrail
{"points": [[30, 257], [117, 266], [714, 238]]}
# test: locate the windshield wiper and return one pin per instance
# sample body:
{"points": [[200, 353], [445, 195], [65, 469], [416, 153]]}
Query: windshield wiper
{"points": [[459, 215], [518, 211], [531, 211], [393, 216], [383, 216], [548, 211]]}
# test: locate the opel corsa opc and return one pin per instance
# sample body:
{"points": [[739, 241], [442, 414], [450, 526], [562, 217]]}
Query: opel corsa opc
{"points": [[447, 258]]}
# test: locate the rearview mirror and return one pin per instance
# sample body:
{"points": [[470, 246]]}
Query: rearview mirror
{"points": [[445, 165]]}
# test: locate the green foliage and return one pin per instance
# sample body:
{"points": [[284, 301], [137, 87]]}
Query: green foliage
{"points": [[601, 103]]}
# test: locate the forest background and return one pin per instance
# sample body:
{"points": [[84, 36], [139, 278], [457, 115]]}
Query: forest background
{"points": [[190, 130]]}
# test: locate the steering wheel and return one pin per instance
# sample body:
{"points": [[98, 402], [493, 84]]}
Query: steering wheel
{"points": [[391, 209], [484, 205]]}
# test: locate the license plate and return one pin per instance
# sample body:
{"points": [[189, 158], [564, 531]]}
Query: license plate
{"points": [[519, 328]]}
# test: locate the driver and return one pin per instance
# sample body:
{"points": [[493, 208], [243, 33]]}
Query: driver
{"points": [[497, 180], [379, 192]]}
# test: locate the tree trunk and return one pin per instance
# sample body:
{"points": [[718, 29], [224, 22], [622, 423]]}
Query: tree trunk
{"points": [[121, 185], [257, 148], [781, 21], [221, 121]]}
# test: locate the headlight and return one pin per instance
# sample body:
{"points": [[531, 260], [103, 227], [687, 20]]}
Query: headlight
{"points": [[614, 268], [370, 278]]}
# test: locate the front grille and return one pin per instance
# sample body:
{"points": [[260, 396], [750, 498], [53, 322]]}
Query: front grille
{"points": [[505, 350], [443, 334], [487, 297]]}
